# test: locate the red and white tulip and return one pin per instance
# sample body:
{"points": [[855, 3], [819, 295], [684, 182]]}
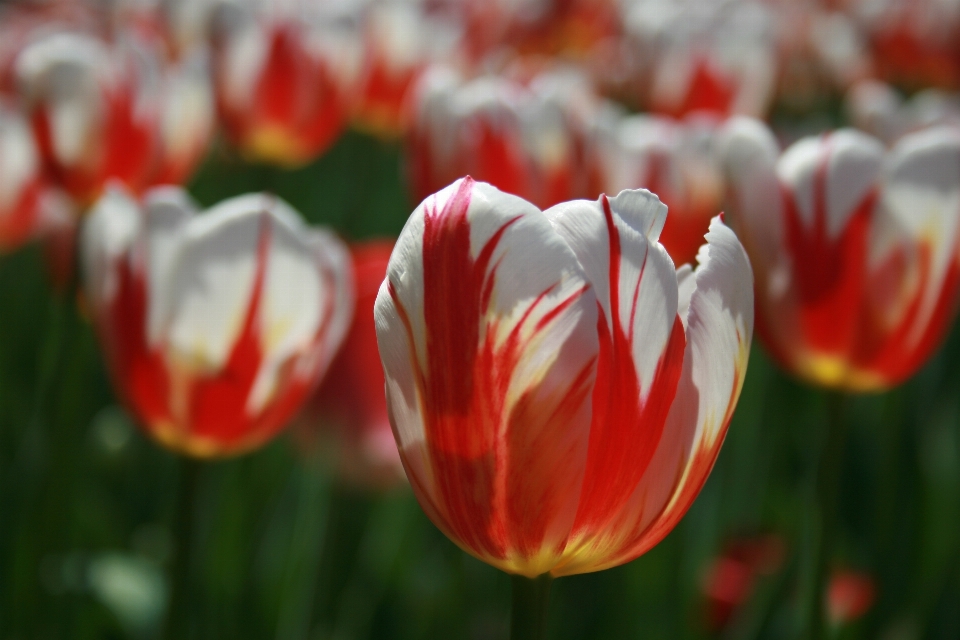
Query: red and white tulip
{"points": [[558, 390], [30, 206], [280, 82], [521, 138], [93, 110], [856, 248], [674, 159], [216, 326]]}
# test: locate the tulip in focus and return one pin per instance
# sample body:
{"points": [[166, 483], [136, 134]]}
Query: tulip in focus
{"points": [[855, 248], [346, 419], [215, 326], [92, 110], [558, 390], [279, 83], [675, 160]]}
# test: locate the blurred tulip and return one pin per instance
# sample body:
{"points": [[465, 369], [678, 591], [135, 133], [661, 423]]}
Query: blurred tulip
{"points": [[346, 420], [675, 160], [855, 248], [914, 42], [29, 205], [522, 139], [558, 391], [280, 82], [215, 326], [849, 596], [715, 57], [92, 107], [187, 118], [399, 41], [877, 108], [730, 579]]}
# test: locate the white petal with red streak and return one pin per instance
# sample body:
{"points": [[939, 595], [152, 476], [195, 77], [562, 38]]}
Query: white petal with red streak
{"points": [[647, 285], [108, 235], [921, 193]]}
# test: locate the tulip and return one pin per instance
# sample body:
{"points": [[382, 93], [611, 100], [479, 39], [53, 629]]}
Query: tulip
{"points": [[855, 249], [399, 42], [279, 83], [875, 107], [92, 111], [215, 327], [730, 580], [520, 138], [675, 160], [187, 119], [22, 185], [348, 413], [713, 57], [558, 390]]}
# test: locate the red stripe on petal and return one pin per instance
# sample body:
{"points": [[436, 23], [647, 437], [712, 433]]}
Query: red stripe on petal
{"points": [[829, 272], [626, 427]]}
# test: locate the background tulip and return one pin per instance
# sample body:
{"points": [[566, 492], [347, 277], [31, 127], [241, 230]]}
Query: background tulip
{"points": [[215, 326], [280, 81], [346, 419], [677, 160], [547, 373], [855, 249], [22, 183], [91, 105]]}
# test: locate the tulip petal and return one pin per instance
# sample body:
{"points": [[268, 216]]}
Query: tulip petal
{"points": [[641, 347], [719, 332], [487, 330]]}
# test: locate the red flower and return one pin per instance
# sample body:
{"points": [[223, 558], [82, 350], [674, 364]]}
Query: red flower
{"points": [[279, 86], [856, 249], [558, 390], [215, 326], [92, 110], [29, 205], [849, 596], [675, 160], [523, 139]]}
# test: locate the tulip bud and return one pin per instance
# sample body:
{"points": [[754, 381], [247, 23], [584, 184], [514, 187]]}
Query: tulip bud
{"points": [[346, 420], [849, 596], [92, 109], [558, 390], [855, 248], [216, 326]]}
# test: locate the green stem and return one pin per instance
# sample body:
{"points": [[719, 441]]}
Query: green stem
{"points": [[528, 613], [177, 626], [829, 469]]}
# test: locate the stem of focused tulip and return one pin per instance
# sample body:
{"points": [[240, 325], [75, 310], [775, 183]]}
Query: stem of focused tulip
{"points": [[177, 625], [528, 613], [829, 469]]}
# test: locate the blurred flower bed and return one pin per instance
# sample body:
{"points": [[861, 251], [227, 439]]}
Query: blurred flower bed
{"points": [[198, 200]]}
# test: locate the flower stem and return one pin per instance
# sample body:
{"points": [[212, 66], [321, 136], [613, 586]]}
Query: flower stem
{"points": [[178, 618], [528, 614], [829, 468]]}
